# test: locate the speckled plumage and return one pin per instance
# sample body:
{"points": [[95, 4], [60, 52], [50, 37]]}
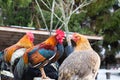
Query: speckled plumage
{"points": [[82, 64], [79, 64]]}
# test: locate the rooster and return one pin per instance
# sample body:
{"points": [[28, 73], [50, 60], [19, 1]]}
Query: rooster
{"points": [[82, 64], [50, 69], [40, 55], [17, 50]]}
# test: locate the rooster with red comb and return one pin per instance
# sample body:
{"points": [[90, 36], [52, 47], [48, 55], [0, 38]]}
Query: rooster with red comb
{"points": [[17, 50], [41, 54]]}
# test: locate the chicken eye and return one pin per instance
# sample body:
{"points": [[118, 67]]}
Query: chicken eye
{"points": [[76, 37]]}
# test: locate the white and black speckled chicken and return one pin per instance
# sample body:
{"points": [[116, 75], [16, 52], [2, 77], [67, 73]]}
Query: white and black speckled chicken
{"points": [[82, 64]]}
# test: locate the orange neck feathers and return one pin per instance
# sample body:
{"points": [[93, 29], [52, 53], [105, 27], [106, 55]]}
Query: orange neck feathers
{"points": [[51, 40], [82, 45], [25, 42]]}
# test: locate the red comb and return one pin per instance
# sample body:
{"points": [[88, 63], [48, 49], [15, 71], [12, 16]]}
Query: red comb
{"points": [[31, 35], [60, 35], [58, 31]]}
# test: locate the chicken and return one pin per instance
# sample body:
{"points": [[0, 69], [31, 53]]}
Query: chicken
{"points": [[82, 64], [41, 54], [17, 50], [51, 69]]}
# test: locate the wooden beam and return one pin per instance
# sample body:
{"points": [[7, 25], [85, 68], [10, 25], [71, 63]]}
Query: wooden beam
{"points": [[23, 30], [94, 37], [41, 32]]}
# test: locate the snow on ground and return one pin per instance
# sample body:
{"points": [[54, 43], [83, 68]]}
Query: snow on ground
{"points": [[102, 75], [115, 75]]}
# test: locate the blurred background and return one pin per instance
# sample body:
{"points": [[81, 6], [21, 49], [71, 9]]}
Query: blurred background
{"points": [[99, 18]]}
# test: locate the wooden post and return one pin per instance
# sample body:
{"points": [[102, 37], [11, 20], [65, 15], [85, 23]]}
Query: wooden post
{"points": [[108, 73], [96, 76], [39, 78]]}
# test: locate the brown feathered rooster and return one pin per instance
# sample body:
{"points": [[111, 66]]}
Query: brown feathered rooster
{"points": [[82, 64], [41, 54], [17, 50]]}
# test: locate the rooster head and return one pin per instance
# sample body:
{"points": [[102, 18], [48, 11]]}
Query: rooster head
{"points": [[30, 35], [60, 35], [76, 37]]}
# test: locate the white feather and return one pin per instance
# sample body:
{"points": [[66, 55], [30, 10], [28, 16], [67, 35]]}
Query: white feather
{"points": [[6, 73], [18, 53]]}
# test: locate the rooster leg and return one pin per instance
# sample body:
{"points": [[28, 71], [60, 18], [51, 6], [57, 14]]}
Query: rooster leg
{"points": [[43, 73]]}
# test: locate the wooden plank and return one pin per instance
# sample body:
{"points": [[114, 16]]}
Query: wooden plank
{"points": [[41, 32], [23, 30]]}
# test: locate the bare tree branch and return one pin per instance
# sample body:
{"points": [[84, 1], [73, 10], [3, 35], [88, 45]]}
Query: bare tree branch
{"points": [[48, 3], [51, 10], [66, 7], [51, 23], [57, 23], [42, 14], [81, 6]]}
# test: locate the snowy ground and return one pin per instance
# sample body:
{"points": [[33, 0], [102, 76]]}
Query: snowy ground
{"points": [[102, 75]]}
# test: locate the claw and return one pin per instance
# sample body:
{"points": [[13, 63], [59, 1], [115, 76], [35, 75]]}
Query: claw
{"points": [[43, 74]]}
